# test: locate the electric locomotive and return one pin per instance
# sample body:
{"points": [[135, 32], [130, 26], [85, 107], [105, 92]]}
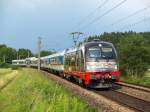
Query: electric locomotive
{"points": [[93, 64]]}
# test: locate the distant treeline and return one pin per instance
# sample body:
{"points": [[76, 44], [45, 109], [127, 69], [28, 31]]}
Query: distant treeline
{"points": [[7, 54], [133, 50]]}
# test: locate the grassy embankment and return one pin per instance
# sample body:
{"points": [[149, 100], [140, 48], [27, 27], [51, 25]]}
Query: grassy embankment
{"points": [[32, 92], [144, 81], [6, 75]]}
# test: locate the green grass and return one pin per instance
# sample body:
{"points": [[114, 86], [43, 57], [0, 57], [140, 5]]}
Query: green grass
{"points": [[32, 92], [4, 71], [6, 78], [144, 81]]}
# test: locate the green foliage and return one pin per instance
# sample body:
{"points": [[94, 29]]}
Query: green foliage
{"points": [[143, 81], [14, 67], [24, 53], [45, 53], [7, 54], [4, 65], [134, 55]]}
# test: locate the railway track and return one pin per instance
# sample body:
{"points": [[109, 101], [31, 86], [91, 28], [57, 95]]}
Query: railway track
{"points": [[139, 92], [135, 103], [124, 102], [142, 88], [133, 96]]}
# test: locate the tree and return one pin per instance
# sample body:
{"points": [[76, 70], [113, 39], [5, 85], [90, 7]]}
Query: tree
{"points": [[24, 53], [134, 55], [7, 54], [45, 53]]}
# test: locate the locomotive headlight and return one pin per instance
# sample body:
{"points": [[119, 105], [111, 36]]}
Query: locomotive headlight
{"points": [[116, 67], [88, 67]]}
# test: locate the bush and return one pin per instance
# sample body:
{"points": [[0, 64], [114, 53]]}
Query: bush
{"points": [[134, 55], [4, 65], [13, 67]]}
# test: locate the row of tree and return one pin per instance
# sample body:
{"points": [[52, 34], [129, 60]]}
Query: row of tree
{"points": [[7, 54], [133, 50]]}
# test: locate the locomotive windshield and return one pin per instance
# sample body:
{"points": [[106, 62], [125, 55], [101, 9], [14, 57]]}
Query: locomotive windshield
{"points": [[94, 52], [108, 52], [100, 52]]}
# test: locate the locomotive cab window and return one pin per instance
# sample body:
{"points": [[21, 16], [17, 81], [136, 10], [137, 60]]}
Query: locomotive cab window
{"points": [[108, 52], [94, 52]]}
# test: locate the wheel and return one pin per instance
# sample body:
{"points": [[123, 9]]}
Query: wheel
{"points": [[82, 83]]}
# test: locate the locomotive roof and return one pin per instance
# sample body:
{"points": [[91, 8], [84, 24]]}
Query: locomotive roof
{"points": [[82, 45], [54, 55], [99, 42]]}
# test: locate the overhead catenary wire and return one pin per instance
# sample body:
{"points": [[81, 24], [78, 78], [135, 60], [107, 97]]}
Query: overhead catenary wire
{"points": [[134, 24], [93, 12], [105, 13], [131, 15]]}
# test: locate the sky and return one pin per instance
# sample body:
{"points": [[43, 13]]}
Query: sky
{"points": [[23, 21]]}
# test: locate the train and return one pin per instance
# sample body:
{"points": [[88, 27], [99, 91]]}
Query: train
{"points": [[93, 64]]}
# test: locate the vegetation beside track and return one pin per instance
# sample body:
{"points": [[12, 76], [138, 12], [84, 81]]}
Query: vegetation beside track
{"points": [[5, 66], [4, 71], [6, 75], [143, 81], [32, 91]]}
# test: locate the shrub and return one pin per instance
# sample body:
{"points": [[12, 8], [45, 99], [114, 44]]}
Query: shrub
{"points": [[134, 55], [14, 67], [4, 65]]}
